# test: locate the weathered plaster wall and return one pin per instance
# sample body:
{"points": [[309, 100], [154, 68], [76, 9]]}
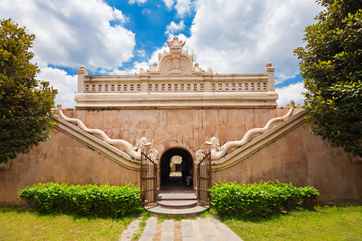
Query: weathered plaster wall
{"points": [[302, 158], [298, 157], [60, 159], [187, 128]]}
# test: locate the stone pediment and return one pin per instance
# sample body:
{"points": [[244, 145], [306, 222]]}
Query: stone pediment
{"points": [[175, 61], [175, 64]]}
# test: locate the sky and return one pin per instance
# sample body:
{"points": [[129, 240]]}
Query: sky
{"points": [[122, 36]]}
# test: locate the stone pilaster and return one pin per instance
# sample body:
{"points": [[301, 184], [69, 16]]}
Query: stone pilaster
{"points": [[269, 70], [82, 72]]}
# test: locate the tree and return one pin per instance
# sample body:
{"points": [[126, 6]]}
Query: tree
{"points": [[331, 64], [25, 103]]}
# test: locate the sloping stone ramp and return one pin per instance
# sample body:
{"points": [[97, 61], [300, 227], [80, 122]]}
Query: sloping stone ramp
{"points": [[198, 229]]}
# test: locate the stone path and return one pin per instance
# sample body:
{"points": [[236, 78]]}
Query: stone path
{"points": [[131, 229], [198, 229], [150, 229]]}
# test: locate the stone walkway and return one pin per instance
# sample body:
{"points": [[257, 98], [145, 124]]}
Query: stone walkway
{"points": [[198, 229]]}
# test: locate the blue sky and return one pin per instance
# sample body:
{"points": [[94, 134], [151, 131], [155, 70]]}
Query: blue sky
{"points": [[149, 21], [119, 36]]}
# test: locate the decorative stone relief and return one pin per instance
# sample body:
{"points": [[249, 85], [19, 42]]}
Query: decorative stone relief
{"points": [[200, 154], [217, 151], [175, 61], [142, 144]]}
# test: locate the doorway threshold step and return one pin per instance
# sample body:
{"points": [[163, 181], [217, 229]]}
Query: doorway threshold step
{"points": [[176, 196], [174, 211], [179, 204]]}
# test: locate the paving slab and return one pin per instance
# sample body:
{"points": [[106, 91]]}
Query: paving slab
{"points": [[168, 230], [130, 230], [187, 230], [206, 229], [225, 231], [150, 229], [199, 229]]}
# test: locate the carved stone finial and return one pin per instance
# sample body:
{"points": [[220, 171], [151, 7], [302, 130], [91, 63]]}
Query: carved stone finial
{"points": [[175, 61], [269, 68], [213, 142], [82, 70], [200, 154], [153, 154], [142, 143], [175, 44]]}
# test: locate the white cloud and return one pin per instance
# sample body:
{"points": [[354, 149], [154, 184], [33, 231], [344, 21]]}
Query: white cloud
{"points": [[293, 92], [137, 1], [183, 7], [168, 3], [242, 36], [141, 52], [72, 32], [64, 83], [174, 28]]}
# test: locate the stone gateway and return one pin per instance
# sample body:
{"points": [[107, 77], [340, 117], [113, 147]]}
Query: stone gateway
{"points": [[190, 124]]}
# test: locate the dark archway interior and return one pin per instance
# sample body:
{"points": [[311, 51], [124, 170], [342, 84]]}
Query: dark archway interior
{"points": [[177, 175]]}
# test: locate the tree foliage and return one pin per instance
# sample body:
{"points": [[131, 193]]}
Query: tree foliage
{"points": [[25, 102], [331, 64]]}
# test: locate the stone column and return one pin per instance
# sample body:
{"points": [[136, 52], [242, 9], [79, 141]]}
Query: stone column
{"points": [[82, 72], [269, 70]]}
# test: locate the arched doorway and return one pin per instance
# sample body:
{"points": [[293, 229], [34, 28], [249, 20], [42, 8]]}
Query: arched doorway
{"points": [[176, 169]]}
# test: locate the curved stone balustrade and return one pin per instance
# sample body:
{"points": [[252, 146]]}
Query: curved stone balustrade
{"points": [[218, 151], [133, 151]]}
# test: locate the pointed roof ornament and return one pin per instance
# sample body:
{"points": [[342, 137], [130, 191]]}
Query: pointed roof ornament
{"points": [[82, 70], [175, 44]]}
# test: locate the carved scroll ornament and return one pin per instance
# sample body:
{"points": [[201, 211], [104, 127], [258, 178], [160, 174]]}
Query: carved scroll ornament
{"points": [[133, 151], [218, 151]]}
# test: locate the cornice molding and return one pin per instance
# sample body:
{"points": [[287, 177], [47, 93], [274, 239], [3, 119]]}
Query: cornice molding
{"points": [[177, 100]]}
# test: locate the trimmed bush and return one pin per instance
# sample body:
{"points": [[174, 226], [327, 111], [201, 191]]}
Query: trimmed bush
{"points": [[260, 199], [95, 200]]}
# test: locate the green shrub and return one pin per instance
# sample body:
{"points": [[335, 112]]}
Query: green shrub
{"points": [[260, 199], [97, 200]]}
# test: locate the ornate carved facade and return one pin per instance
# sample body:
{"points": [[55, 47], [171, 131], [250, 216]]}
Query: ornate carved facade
{"points": [[176, 82]]}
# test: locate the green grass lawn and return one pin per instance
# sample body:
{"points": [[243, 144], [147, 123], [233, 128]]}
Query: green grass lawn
{"points": [[325, 224], [22, 225]]}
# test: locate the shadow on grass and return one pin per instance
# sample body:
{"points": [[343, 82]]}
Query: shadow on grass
{"points": [[23, 209]]}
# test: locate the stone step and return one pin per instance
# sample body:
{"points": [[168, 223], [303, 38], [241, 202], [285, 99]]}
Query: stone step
{"points": [[178, 204], [176, 196], [175, 211]]}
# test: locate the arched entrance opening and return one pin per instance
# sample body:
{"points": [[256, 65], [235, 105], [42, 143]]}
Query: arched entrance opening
{"points": [[176, 169]]}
